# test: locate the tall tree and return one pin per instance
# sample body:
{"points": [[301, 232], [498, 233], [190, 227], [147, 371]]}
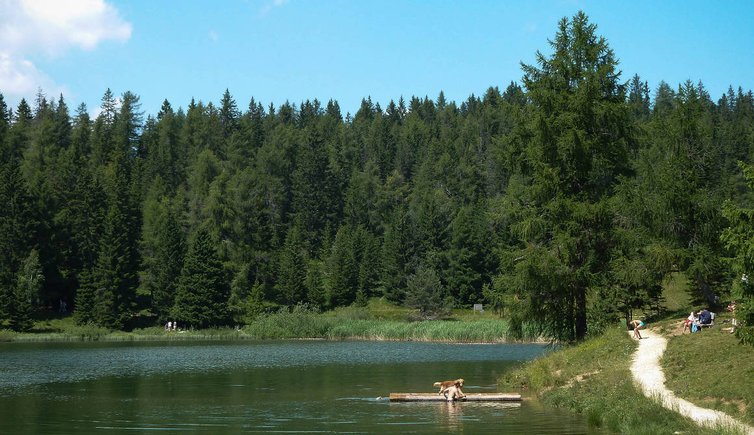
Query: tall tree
{"points": [[469, 255], [163, 250], [85, 217], [577, 148], [291, 282], [115, 272], [28, 286], [739, 238], [343, 277], [202, 296], [17, 229]]}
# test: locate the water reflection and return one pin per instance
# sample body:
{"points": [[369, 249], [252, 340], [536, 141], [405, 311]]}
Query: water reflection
{"points": [[260, 387]]}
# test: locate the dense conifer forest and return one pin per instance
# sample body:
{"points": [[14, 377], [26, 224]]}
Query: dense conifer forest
{"points": [[565, 198]]}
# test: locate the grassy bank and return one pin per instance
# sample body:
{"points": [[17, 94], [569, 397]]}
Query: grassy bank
{"points": [[377, 321], [594, 379], [711, 369]]}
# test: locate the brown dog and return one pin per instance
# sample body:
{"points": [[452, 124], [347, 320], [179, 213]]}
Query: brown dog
{"points": [[446, 385]]}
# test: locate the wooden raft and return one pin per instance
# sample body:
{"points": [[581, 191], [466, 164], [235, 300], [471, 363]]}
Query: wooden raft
{"points": [[470, 397]]}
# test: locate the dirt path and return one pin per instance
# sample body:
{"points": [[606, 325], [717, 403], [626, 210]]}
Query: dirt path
{"points": [[647, 372]]}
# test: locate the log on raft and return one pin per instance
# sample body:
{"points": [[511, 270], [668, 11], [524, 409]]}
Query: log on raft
{"points": [[470, 397]]}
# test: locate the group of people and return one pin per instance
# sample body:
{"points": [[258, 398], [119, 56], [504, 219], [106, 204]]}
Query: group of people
{"points": [[697, 319], [171, 326]]}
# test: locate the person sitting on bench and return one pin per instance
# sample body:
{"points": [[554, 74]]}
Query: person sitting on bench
{"points": [[690, 321], [705, 317]]}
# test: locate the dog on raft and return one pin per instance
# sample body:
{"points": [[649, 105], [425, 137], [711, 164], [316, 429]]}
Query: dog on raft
{"points": [[451, 389]]}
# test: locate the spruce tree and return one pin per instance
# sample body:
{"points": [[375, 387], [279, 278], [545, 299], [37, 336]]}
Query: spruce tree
{"points": [[739, 238], [203, 291], [114, 278], [170, 254], [17, 230], [115, 272], [577, 148], [291, 283], [28, 285], [343, 276], [469, 257], [426, 294]]}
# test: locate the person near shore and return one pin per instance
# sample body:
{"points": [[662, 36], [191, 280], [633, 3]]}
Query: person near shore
{"points": [[705, 317], [692, 319], [637, 325], [454, 393]]}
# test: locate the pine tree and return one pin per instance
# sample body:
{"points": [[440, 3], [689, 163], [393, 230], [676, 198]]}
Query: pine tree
{"points": [[86, 221], [314, 188], [127, 126], [103, 130], [115, 272], [203, 291], [5, 117], [17, 230], [81, 132], [739, 238], [578, 142], [291, 283], [425, 293], [343, 270], [229, 115], [468, 256], [163, 252], [392, 278], [114, 279], [28, 285]]}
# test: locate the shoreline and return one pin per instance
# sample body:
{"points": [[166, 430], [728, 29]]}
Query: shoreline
{"points": [[219, 338], [292, 326], [232, 335]]}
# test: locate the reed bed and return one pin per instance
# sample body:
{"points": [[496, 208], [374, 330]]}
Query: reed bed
{"points": [[301, 322]]}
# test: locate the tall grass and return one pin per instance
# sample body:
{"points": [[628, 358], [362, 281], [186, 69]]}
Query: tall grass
{"points": [[379, 320], [432, 330], [352, 324]]}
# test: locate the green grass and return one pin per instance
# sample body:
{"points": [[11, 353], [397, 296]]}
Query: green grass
{"points": [[593, 379], [711, 369], [676, 293]]}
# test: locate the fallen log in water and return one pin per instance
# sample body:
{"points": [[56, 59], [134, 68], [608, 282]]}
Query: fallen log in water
{"points": [[471, 397]]}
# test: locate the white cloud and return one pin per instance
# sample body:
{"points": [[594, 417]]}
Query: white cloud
{"points": [[271, 5], [50, 28], [21, 78]]}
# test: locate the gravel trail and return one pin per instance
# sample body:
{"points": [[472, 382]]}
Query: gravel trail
{"points": [[647, 372]]}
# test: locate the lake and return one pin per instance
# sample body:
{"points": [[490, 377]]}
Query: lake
{"points": [[269, 387]]}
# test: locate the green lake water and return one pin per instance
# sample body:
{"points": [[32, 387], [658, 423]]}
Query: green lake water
{"points": [[267, 387]]}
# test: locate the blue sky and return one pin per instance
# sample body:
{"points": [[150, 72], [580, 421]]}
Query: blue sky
{"points": [[278, 50]]}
